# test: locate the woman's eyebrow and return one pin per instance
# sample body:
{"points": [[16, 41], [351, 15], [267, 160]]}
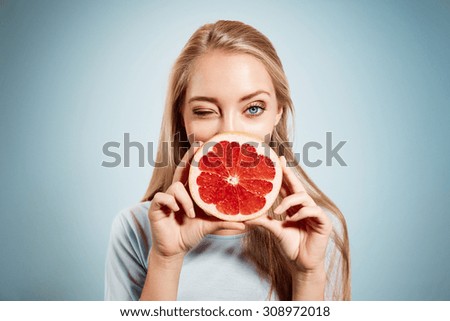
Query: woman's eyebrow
{"points": [[203, 98], [215, 101], [249, 96]]}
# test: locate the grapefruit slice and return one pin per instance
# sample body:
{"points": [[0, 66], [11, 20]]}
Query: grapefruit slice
{"points": [[235, 177]]}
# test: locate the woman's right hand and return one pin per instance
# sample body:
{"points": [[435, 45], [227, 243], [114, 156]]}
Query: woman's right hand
{"points": [[175, 226]]}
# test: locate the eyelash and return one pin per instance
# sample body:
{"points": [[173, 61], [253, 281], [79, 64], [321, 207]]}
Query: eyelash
{"points": [[205, 113], [202, 113]]}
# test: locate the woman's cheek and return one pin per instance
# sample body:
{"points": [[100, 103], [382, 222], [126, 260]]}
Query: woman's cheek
{"points": [[200, 131], [261, 130]]}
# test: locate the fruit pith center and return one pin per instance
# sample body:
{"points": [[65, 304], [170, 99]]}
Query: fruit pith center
{"points": [[233, 180]]}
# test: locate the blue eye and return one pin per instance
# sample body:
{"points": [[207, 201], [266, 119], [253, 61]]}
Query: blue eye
{"points": [[255, 110]]}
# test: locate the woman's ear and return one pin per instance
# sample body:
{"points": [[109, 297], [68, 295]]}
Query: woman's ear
{"points": [[279, 114]]}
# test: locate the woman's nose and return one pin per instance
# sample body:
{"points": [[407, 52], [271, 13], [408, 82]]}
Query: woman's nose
{"points": [[229, 124]]}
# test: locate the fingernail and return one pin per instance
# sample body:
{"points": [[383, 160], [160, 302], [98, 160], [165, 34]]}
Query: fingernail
{"points": [[191, 213], [277, 210]]}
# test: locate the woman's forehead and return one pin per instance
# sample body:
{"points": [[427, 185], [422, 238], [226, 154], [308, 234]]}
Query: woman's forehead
{"points": [[228, 74]]}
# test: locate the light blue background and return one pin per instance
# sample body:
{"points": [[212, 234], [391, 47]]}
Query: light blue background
{"points": [[77, 74]]}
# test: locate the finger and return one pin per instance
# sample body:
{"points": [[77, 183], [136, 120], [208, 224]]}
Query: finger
{"points": [[180, 194], [274, 226], [182, 170], [300, 198], [292, 180], [322, 221], [161, 200]]}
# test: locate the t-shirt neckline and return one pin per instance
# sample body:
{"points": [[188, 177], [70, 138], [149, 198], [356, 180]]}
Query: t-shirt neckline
{"points": [[226, 237]]}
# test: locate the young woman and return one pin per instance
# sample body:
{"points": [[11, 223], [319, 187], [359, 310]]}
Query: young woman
{"points": [[228, 77]]}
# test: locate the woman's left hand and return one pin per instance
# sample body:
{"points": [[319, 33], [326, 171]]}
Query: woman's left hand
{"points": [[304, 233]]}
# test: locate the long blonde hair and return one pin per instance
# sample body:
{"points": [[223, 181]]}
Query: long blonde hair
{"points": [[260, 245]]}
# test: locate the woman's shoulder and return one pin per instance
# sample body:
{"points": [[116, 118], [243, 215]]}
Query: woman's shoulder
{"points": [[127, 254], [135, 212], [132, 223]]}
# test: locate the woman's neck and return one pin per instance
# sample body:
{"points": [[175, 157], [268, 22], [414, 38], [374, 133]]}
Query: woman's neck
{"points": [[228, 232]]}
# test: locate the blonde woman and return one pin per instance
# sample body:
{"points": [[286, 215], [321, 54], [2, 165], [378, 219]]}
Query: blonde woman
{"points": [[228, 77]]}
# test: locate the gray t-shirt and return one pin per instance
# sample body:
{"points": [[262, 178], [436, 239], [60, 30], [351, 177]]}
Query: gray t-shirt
{"points": [[215, 269]]}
